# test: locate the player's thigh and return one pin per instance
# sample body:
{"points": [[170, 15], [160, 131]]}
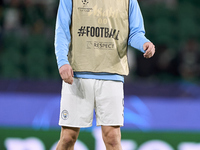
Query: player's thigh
{"points": [[110, 104], [77, 104]]}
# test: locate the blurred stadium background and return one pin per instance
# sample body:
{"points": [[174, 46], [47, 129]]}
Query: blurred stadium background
{"points": [[162, 94]]}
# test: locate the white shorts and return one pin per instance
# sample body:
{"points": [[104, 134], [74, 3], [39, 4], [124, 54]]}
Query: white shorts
{"points": [[79, 100]]}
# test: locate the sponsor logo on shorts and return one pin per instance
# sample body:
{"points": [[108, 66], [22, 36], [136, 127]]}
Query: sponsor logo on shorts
{"points": [[64, 115]]}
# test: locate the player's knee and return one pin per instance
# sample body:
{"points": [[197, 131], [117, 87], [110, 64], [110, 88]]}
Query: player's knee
{"points": [[112, 138], [68, 141]]}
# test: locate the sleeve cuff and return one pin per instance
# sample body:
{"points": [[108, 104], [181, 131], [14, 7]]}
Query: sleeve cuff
{"points": [[142, 43], [62, 62]]}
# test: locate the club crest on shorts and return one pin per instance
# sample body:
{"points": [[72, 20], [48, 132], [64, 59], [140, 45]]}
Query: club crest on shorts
{"points": [[64, 115]]}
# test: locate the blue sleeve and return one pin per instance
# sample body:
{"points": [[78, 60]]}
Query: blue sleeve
{"points": [[62, 32], [136, 25]]}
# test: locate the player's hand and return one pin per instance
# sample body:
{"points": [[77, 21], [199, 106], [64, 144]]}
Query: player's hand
{"points": [[149, 49], [66, 73]]}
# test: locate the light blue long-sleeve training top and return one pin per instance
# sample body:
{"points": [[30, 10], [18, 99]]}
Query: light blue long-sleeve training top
{"points": [[63, 38]]}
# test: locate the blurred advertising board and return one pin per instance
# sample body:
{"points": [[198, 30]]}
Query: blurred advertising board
{"points": [[41, 111]]}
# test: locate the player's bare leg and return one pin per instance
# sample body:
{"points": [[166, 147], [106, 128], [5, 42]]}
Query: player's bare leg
{"points": [[68, 138], [112, 137]]}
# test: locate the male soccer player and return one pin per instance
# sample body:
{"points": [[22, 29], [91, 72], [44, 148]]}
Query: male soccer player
{"points": [[91, 48]]}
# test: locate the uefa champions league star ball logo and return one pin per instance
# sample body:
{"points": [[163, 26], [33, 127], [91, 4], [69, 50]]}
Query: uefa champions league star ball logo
{"points": [[64, 115], [85, 2]]}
